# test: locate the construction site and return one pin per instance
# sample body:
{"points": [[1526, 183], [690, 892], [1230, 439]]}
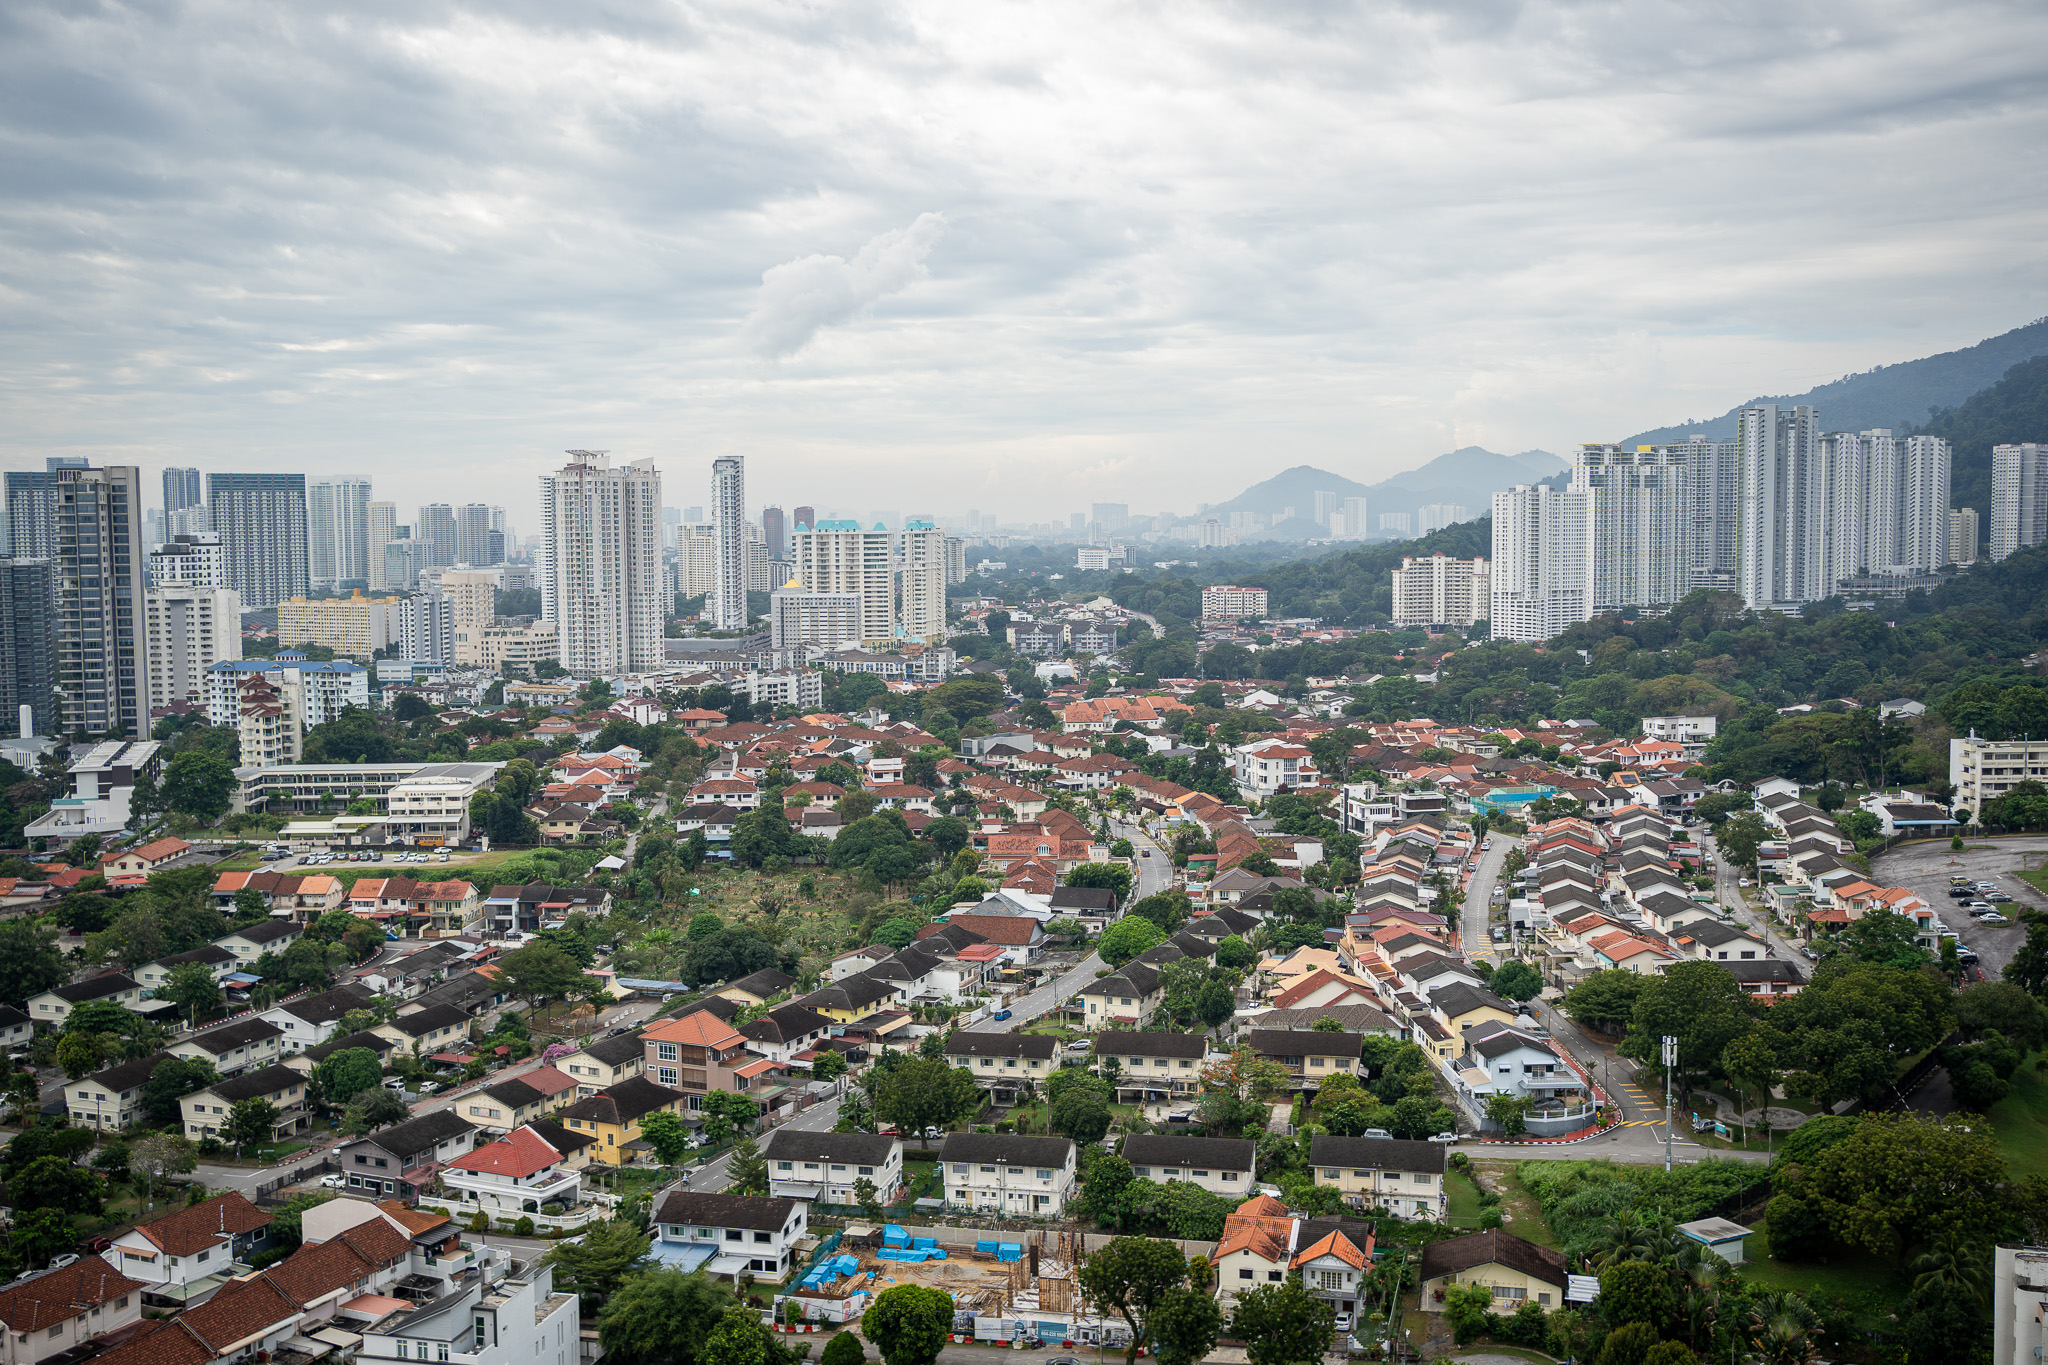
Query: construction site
{"points": [[1010, 1288]]}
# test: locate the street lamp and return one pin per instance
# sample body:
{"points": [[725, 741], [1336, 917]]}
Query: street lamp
{"points": [[1670, 1061]]}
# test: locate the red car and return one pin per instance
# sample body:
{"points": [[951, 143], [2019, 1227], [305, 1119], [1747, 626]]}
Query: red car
{"points": [[97, 1245]]}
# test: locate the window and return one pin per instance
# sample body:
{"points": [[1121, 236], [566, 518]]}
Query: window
{"points": [[867, 1170], [734, 1235], [1329, 1175], [763, 1238], [440, 1350], [1330, 1279], [1244, 1274], [785, 1165], [959, 1168], [400, 1347], [1273, 1276]]}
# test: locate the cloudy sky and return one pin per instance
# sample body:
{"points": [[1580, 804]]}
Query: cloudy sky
{"points": [[934, 256]]}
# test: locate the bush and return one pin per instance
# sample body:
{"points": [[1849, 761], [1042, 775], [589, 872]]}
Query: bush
{"points": [[1004, 1126], [1628, 1345], [1579, 1198], [1795, 1229], [479, 1221], [552, 1210], [523, 1228], [211, 1146], [843, 1349]]}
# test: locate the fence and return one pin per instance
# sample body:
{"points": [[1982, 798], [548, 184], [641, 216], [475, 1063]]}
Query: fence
{"points": [[269, 1188], [1966, 832]]}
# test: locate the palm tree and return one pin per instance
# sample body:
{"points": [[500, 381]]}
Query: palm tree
{"points": [[1953, 1264], [1781, 1327], [1625, 1238]]}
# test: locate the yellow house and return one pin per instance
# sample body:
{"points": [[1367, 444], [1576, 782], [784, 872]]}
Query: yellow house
{"points": [[1125, 997], [1515, 1269], [756, 989], [612, 1117], [1405, 1178], [603, 1063], [1001, 1062], [855, 997], [1459, 1007]]}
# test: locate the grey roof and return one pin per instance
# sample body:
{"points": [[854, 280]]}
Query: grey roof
{"points": [[1099, 898], [849, 993], [763, 983], [1227, 1154], [208, 955], [1305, 1042], [860, 1149], [1354, 1018], [1038, 1045], [561, 1139], [514, 1093], [726, 1210], [1456, 999], [1384, 1154], [786, 1024], [421, 1134], [238, 1034], [428, 1020], [1124, 1043], [265, 931], [250, 1084], [1496, 1247], [97, 988], [329, 1006], [1013, 1149], [1713, 933], [376, 1042], [616, 1051], [127, 1075]]}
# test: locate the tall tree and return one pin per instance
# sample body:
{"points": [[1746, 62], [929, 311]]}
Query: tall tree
{"points": [[1132, 1277], [908, 1324], [594, 1266], [29, 961], [250, 1122]]}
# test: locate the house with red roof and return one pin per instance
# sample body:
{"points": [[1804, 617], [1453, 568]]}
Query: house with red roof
{"points": [[62, 1310], [514, 1177], [144, 860]]}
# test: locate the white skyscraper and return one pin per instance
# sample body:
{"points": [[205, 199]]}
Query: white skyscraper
{"points": [[839, 557], [601, 563], [338, 533], [921, 582], [1714, 482], [727, 605], [383, 522], [1782, 519], [190, 628], [189, 561], [1542, 577], [1641, 513], [798, 616], [2019, 497], [1925, 467]]}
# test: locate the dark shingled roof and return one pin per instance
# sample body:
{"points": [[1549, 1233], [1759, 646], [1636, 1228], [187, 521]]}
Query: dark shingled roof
{"points": [[1039, 1045], [1497, 1247], [1007, 1149], [1385, 1154], [726, 1210], [858, 1149], [421, 1134], [1305, 1042], [429, 1019], [1124, 1043], [1228, 1154], [230, 1036], [266, 1081], [763, 983], [619, 1050]]}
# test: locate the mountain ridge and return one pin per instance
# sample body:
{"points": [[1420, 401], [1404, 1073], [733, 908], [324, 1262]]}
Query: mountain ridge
{"points": [[1466, 477]]}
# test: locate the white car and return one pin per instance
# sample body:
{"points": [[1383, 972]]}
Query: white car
{"points": [[334, 1182], [1992, 917]]}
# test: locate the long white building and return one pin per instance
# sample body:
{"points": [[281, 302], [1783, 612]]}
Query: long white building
{"points": [[601, 563], [727, 606], [189, 630], [1782, 516], [921, 582], [2019, 497], [1542, 566], [338, 533], [1441, 591], [799, 616]]}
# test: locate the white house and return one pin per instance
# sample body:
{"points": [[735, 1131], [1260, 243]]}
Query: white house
{"points": [[1011, 1174], [503, 1322], [824, 1166], [512, 1177], [234, 1048], [207, 1112], [728, 1234], [110, 1100], [53, 1007], [1266, 766], [171, 1254], [61, 1310], [1219, 1165], [313, 1020]]}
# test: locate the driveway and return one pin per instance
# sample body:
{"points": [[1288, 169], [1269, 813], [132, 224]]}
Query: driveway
{"points": [[1473, 928]]}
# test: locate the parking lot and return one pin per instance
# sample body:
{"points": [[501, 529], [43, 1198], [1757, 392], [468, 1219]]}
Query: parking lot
{"points": [[1925, 869]]}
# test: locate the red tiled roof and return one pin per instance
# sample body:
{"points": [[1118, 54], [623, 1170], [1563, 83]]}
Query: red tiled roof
{"points": [[189, 1231], [520, 1153], [163, 1342], [241, 1310], [62, 1294]]}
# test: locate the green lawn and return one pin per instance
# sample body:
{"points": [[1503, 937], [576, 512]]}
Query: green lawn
{"points": [[2021, 1120], [2037, 879], [1869, 1284], [1465, 1209], [1527, 1216]]}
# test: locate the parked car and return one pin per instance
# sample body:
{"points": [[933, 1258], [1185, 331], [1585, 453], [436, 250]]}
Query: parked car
{"points": [[1992, 917], [334, 1182], [1443, 1137], [1181, 1116], [934, 1131], [97, 1245], [1344, 1322], [1809, 954], [1378, 1133], [68, 1258], [1998, 898]]}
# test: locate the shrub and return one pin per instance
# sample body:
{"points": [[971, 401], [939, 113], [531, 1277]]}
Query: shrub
{"points": [[523, 1228], [843, 1349], [479, 1221], [1628, 1345], [551, 1209], [1004, 1126]]}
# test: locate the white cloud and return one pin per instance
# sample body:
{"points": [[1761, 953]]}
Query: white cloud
{"points": [[800, 296]]}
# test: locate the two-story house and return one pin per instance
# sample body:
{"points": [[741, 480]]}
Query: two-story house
{"points": [[206, 1112], [111, 1100], [1222, 1166], [169, 1254], [253, 941], [785, 1031], [1405, 1178], [487, 1321], [451, 908], [17, 1030], [502, 1107], [402, 1160], [756, 988], [1310, 1055], [728, 1235], [696, 1054], [602, 1063], [59, 1311], [1004, 1063], [1151, 1066], [1503, 1060], [304, 1062], [234, 1048], [1127, 997], [216, 959], [512, 1177], [53, 1007], [315, 1019], [824, 1167], [1010, 1174], [1333, 1256], [425, 1032], [613, 1116]]}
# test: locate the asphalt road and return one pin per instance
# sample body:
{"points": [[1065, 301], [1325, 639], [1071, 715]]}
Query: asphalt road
{"points": [[1748, 915], [1473, 928]]}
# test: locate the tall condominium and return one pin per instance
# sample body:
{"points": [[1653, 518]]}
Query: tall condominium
{"points": [[1438, 515], [383, 522], [2019, 497], [1782, 517], [181, 489], [196, 560], [1228, 602], [1963, 538], [727, 607], [1542, 577], [405, 559], [921, 582], [261, 521], [473, 545], [338, 533], [803, 517], [472, 604], [838, 557], [1441, 591], [775, 530], [28, 663], [601, 563], [1714, 482], [191, 627], [798, 616], [1641, 527], [956, 560], [1885, 504], [696, 559], [435, 530], [32, 507], [102, 642]]}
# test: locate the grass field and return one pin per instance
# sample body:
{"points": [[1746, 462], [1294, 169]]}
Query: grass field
{"points": [[1465, 1208], [2021, 1120], [1524, 1217], [1868, 1284], [2037, 879]]}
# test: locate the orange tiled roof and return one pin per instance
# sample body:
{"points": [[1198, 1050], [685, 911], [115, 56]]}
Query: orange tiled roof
{"points": [[62, 1294], [700, 1029], [189, 1231], [1334, 1244]]}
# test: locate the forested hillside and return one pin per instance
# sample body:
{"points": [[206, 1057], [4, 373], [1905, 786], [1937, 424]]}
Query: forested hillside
{"points": [[2013, 410]]}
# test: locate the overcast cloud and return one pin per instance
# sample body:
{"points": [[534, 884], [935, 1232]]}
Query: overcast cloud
{"points": [[930, 256]]}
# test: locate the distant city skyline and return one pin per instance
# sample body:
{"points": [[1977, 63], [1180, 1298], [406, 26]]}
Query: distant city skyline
{"points": [[1109, 255]]}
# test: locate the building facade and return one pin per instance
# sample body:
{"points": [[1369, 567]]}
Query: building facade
{"points": [[188, 630], [2019, 497], [338, 534], [28, 659], [726, 608], [1228, 602], [1640, 506], [601, 564], [261, 521], [102, 641], [1442, 591], [839, 559], [1542, 577]]}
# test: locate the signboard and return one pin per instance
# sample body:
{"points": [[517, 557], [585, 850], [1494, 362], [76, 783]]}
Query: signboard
{"points": [[1581, 1288]]}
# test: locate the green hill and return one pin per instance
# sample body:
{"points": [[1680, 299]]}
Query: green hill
{"points": [[2013, 410]]}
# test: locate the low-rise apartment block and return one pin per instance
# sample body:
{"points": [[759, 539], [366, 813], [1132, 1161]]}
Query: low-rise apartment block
{"points": [[1010, 1174]]}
